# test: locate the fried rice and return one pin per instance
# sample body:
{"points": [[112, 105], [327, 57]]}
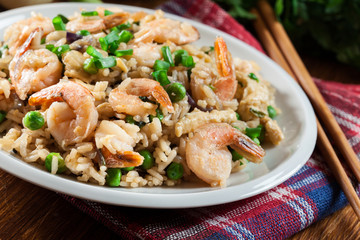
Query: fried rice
{"points": [[97, 123]]}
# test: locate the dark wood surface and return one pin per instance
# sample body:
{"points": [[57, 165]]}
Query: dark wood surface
{"points": [[30, 212]]}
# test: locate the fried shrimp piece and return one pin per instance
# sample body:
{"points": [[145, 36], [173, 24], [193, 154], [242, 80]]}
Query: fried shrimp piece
{"points": [[163, 29], [224, 82], [207, 154], [116, 146], [32, 70], [72, 115], [121, 159], [18, 33], [125, 98], [97, 23]]}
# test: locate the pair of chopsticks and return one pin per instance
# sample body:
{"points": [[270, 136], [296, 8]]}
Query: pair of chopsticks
{"points": [[279, 47]]}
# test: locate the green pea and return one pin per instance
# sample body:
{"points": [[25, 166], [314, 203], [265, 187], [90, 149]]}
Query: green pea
{"points": [[113, 177], [237, 116], [175, 171], [61, 162], [271, 111], [33, 120], [2, 116], [148, 159], [176, 91], [253, 132], [128, 169]]}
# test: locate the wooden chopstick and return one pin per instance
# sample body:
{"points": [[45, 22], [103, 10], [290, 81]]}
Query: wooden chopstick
{"points": [[322, 142], [309, 87]]}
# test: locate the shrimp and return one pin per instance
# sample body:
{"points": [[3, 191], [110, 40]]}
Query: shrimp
{"points": [[33, 70], [72, 115], [224, 83], [97, 24], [121, 159], [116, 146], [125, 98], [162, 30], [207, 154], [18, 33], [146, 53]]}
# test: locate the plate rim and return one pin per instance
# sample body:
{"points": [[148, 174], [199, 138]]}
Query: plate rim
{"points": [[155, 200]]}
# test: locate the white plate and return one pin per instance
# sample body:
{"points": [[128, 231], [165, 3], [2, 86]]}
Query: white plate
{"points": [[297, 121]]}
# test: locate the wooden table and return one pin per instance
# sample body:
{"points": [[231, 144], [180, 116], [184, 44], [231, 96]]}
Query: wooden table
{"points": [[31, 212]]}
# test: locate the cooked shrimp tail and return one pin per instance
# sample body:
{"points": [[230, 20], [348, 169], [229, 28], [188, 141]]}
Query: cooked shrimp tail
{"points": [[207, 154], [225, 86], [121, 159], [247, 147]]}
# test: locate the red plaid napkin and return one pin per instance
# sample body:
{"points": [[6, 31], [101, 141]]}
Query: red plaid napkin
{"points": [[308, 196]]}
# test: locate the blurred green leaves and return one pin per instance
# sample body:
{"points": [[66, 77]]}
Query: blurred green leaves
{"points": [[319, 26]]}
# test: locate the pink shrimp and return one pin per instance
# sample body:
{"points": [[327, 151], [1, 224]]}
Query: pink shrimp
{"points": [[207, 154], [125, 98], [224, 82], [32, 70], [162, 30], [97, 24], [72, 115]]}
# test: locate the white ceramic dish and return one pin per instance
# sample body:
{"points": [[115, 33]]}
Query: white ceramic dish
{"points": [[280, 163]]}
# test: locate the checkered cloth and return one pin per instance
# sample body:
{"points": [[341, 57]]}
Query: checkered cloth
{"points": [[311, 194]]}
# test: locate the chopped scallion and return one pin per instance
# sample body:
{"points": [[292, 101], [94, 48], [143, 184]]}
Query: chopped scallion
{"points": [[253, 77], [107, 62], [108, 12], [103, 43], [63, 18], [120, 53], [187, 61], [123, 26], [93, 52], [161, 65], [161, 77], [129, 119], [50, 47], [83, 32], [178, 55], [125, 36], [62, 49], [89, 14], [167, 55], [257, 113], [58, 23], [2, 116], [89, 66]]}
